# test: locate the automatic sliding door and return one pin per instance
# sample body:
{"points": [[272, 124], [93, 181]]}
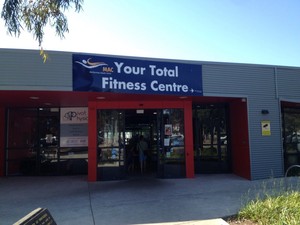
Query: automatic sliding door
{"points": [[164, 131], [111, 130], [171, 143]]}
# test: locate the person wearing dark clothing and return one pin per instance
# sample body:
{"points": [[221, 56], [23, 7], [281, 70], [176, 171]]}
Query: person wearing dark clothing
{"points": [[142, 148]]}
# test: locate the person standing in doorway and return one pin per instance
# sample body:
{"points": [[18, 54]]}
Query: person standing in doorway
{"points": [[142, 148]]}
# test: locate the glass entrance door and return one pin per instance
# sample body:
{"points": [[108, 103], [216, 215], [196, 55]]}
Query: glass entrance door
{"points": [[111, 144], [211, 141], [171, 155], [141, 124], [119, 132]]}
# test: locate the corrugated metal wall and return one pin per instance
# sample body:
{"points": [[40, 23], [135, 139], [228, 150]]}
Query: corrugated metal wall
{"points": [[257, 83], [22, 70], [288, 83], [25, 70]]}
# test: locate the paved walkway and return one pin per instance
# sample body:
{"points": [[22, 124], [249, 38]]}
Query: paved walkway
{"points": [[72, 200]]}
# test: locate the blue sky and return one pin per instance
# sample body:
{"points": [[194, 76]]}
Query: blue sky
{"points": [[239, 31]]}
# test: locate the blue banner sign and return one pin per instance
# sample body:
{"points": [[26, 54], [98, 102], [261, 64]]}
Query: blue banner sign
{"points": [[121, 75]]}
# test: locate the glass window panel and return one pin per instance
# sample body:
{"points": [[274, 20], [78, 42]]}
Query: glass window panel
{"points": [[210, 134], [33, 148], [292, 126], [173, 133], [110, 128], [22, 128], [109, 157], [22, 140], [73, 153], [291, 136], [110, 138]]}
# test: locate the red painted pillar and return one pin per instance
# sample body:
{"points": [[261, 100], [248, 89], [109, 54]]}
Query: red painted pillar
{"points": [[240, 139], [92, 149], [2, 142], [188, 137]]}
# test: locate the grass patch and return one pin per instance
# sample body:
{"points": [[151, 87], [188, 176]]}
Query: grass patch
{"points": [[282, 209], [273, 206]]}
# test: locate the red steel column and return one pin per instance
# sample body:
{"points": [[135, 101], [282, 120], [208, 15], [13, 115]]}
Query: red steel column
{"points": [[92, 149], [188, 137], [240, 139], [2, 142]]}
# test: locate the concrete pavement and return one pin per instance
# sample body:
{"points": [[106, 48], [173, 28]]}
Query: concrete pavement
{"points": [[140, 200]]}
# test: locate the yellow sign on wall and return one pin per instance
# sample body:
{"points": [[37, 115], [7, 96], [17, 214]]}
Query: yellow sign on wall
{"points": [[265, 128]]}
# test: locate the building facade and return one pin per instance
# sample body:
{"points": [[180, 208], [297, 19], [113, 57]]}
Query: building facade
{"points": [[82, 113]]}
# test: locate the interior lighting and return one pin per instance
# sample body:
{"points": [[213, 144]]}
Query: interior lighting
{"points": [[54, 109], [34, 98]]}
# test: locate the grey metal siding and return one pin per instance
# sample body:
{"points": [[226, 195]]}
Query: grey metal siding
{"points": [[266, 151], [25, 70], [258, 84], [288, 83], [263, 86], [238, 79]]}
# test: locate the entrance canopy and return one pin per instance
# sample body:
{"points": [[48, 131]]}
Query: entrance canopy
{"points": [[70, 98]]}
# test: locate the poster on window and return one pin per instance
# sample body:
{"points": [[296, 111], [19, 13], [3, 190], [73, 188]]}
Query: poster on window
{"points": [[168, 129], [74, 127]]}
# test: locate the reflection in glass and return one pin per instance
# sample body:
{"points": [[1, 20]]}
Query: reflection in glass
{"points": [[211, 151], [33, 145], [110, 138], [173, 135], [291, 136], [212, 134]]}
